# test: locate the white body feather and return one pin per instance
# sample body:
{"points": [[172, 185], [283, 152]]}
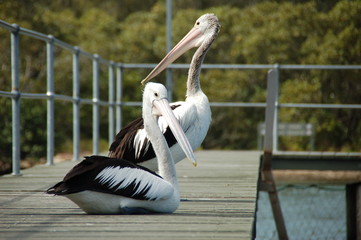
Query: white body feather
{"points": [[166, 200], [93, 202], [194, 116]]}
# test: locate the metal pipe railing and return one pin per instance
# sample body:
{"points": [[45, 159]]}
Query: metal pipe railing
{"points": [[96, 105], [76, 105], [15, 86], [118, 100], [169, 76], [249, 66], [111, 109], [50, 101], [115, 81], [50, 96]]}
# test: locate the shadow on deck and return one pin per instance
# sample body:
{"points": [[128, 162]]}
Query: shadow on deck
{"points": [[218, 202]]}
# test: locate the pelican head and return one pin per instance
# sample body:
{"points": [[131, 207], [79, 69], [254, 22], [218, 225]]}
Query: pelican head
{"points": [[204, 30], [155, 94]]}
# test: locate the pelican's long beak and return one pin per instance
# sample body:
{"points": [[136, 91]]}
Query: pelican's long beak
{"points": [[163, 107], [194, 38]]}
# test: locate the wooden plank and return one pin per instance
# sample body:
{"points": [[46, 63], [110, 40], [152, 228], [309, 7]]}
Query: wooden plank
{"points": [[218, 202]]}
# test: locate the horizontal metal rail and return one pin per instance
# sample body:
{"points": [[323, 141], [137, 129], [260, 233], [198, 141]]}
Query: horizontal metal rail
{"points": [[247, 66], [47, 38], [58, 97], [319, 105], [105, 103]]}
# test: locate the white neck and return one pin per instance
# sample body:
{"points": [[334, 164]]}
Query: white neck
{"points": [[193, 82], [166, 165]]}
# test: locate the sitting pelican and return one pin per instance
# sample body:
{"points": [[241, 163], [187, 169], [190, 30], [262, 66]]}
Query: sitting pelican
{"points": [[102, 185], [194, 114]]}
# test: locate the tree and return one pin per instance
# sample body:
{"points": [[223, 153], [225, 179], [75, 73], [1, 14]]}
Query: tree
{"points": [[252, 32]]}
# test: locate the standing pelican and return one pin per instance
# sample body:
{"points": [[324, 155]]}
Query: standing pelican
{"points": [[102, 185], [194, 114]]}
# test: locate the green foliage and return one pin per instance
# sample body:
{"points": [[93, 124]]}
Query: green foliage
{"points": [[253, 32]]}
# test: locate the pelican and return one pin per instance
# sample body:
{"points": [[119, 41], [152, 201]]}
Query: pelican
{"points": [[103, 185], [194, 114]]}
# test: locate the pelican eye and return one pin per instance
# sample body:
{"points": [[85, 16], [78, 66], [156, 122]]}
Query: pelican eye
{"points": [[156, 94], [198, 23]]}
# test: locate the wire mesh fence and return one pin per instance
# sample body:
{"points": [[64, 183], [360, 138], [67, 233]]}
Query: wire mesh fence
{"points": [[310, 212]]}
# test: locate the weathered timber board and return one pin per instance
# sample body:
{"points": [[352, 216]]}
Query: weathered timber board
{"points": [[218, 202]]}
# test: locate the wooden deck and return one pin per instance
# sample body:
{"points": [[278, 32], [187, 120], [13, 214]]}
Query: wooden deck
{"points": [[218, 202]]}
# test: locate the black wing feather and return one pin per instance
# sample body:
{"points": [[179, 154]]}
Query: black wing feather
{"points": [[123, 147], [81, 177]]}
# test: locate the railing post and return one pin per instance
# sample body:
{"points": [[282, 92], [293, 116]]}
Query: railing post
{"points": [[76, 105], [119, 107], [270, 137], [15, 81], [111, 103], [267, 182], [50, 100], [274, 74], [96, 104], [169, 82], [353, 210]]}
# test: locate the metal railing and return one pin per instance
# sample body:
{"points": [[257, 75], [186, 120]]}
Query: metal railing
{"points": [[266, 179], [51, 96], [115, 103], [271, 137]]}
